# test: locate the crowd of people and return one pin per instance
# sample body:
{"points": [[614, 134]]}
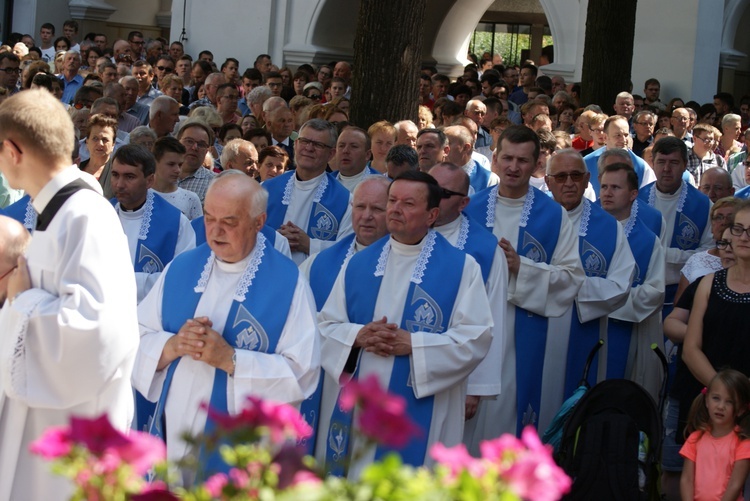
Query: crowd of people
{"points": [[260, 243]]}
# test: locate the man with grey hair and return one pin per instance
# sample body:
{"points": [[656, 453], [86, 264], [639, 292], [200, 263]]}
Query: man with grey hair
{"points": [[255, 100], [406, 133], [461, 144], [609, 266], [643, 131], [271, 104], [257, 340], [163, 115], [400, 158], [211, 85], [716, 184], [132, 106], [624, 105], [308, 205], [73, 81], [240, 155], [125, 121], [13, 241]]}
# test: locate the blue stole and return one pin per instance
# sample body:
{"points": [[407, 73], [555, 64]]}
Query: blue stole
{"points": [[597, 236], [647, 215], [323, 274], [23, 212], [744, 193], [641, 241], [160, 229], [689, 223], [330, 202], [255, 321], [537, 239], [479, 243], [199, 226], [479, 177], [428, 308]]}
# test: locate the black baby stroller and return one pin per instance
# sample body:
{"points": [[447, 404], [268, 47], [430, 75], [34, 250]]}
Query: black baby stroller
{"points": [[611, 441]]}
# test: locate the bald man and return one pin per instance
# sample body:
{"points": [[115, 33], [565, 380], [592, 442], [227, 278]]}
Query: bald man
{"points": [[218, 346], [13, 241]]}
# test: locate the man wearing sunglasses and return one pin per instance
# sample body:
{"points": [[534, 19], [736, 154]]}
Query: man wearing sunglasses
{"points": [[609, 266], [545, 274], [164, 66]]}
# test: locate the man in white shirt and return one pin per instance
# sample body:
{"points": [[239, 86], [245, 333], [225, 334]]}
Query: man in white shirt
{"points": [[72, 300]]}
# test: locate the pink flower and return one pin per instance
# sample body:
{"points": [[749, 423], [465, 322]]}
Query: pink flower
{"points": [[282, 420], [457, 459], [533, 475], [96, 434], [501, 449], [157, 491], [54, 443], [382, 416], [215, 484], [239, 478], [142, 452], [306, 477]]}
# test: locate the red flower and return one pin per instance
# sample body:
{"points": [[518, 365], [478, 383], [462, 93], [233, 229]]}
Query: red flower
{"points": [[282, 420], [96, 434]]}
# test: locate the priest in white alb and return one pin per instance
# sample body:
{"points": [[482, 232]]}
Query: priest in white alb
{"points": [[69, 329], [412, 310], [226, 320], [545, 274]]}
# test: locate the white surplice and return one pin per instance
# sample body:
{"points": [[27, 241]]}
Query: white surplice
{"points": [[675, 257], [643, 308], [68, 344], [289, 375], [597, 298], [544, 289], [298, 212], [440, 363], [131, 224]]}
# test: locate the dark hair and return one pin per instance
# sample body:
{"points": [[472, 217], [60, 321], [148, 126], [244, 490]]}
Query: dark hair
{"points": [[631, 176], [226, 128], [207, 53], [134, 34], [273, 151], [533, 68], [249, 135], [252, 74], [58, 39], [519, 134], [434, 192], [48, 26], [401, 154], [205, 66], [137, 156], [669, 145], [261, 56], [220, 88], [442, 138], [726, 98], [229, 60], [44, 79], [167, 144], [73, 24]]}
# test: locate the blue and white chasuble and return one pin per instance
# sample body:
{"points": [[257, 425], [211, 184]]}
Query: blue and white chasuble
{"points": [[23, 212], [428, 308], [255, 321], [329, 206], [537, 239]]}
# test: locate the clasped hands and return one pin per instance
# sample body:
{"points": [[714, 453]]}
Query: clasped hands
{"points": [[196, 339], [384, 339]]}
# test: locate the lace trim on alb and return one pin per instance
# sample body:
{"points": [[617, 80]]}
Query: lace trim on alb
{"points": [[463, 233], [527, 205], [16, 370], [29, 220], [422, 260], [349, 252], [288, 189], [148, 209], [680, 201], [320, 189], [491, 207], [583, 226], [633, 218], [200, 287], [251, 269]]}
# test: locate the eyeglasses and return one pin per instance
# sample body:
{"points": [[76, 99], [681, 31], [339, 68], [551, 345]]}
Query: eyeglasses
{"points": [[723, 244], [11, 71], [720, 218], [446, 193], [563, 176], [304, 142], [706, 139], [644, 123], [165, 69], [189, 143], [737, 230], [8, 272], [314, 97]]}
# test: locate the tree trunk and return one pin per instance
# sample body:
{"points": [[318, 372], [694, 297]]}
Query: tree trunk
{"points": [[387, 58], [608, 51]]}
